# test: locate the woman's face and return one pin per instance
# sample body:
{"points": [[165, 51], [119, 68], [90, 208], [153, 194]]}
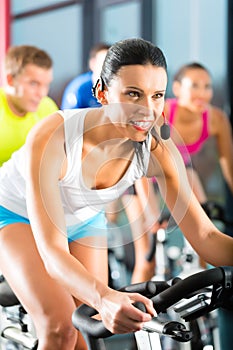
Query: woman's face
{"points": [[195, 90], [135, 99]]}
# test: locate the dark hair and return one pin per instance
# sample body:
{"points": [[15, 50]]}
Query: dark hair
{"points": [[130, 52], [183, 70]]}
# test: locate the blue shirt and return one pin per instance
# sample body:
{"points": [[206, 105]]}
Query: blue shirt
{"points": [[78, 93]]}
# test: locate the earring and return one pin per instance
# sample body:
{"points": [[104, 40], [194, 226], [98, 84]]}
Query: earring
{"points": [[99, 83], [164, 129], [93, 89]]}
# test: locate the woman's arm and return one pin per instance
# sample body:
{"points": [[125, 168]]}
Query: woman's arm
{"points": [[150, 203], [46, 159], [212, 245], [220, 128], [46, 164]]}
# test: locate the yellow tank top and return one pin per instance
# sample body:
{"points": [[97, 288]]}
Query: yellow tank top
{"points": [[14, 129]]}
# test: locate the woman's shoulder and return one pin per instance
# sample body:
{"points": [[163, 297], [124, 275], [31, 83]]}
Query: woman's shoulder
{"points": [[73, 112], [217, 118]]}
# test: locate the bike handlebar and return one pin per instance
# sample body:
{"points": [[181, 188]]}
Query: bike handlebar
{"points": [[82, 316], [191, 284]]}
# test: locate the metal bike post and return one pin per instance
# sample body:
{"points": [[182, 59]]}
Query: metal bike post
{"points": [[148, 341]]}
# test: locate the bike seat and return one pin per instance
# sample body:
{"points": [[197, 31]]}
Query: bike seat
{"points": [[7, 296]]}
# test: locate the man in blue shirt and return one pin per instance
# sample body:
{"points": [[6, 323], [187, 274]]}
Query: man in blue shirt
{"points": [[78, 93]]}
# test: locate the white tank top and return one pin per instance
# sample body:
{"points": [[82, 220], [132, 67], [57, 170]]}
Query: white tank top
{"points": [[79, 202]]}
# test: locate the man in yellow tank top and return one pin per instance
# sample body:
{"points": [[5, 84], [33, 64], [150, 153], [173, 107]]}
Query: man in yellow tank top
{"points": [[23, 98]]}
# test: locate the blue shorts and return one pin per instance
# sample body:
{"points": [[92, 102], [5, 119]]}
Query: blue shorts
{"points": [[95, 226]]}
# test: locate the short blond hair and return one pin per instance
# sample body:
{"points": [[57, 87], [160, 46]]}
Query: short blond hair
{"points": [[17, 57]]}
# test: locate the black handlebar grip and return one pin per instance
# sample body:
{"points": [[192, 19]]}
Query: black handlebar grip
{"points": [[139, 305], [145, 288], [148, 289], [184, 287], [83, 321]]}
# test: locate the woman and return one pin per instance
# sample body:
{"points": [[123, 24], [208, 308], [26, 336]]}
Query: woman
{"points": [[193, 119], [74, 162]]}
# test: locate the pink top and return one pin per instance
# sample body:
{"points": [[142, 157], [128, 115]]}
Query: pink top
{"points": [[189, 149]]}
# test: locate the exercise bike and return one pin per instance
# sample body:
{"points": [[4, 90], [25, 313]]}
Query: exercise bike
{"points": [[191, 298], [15, 330], [181, 260], [175, 257]]}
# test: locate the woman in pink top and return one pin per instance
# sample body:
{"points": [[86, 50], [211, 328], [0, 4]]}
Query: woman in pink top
{"points": [[193, 119]]}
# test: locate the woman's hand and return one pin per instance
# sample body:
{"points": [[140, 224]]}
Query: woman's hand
{"points": [[119, 315]]}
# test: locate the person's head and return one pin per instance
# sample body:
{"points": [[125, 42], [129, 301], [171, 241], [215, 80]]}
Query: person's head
{"points": [[134, 73], [96, 59], [192, 86], [28, 72]]}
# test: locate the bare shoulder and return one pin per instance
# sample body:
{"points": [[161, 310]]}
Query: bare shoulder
{"points": [[218, 120], [46, 129], [46, 141], [45, 147]]}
